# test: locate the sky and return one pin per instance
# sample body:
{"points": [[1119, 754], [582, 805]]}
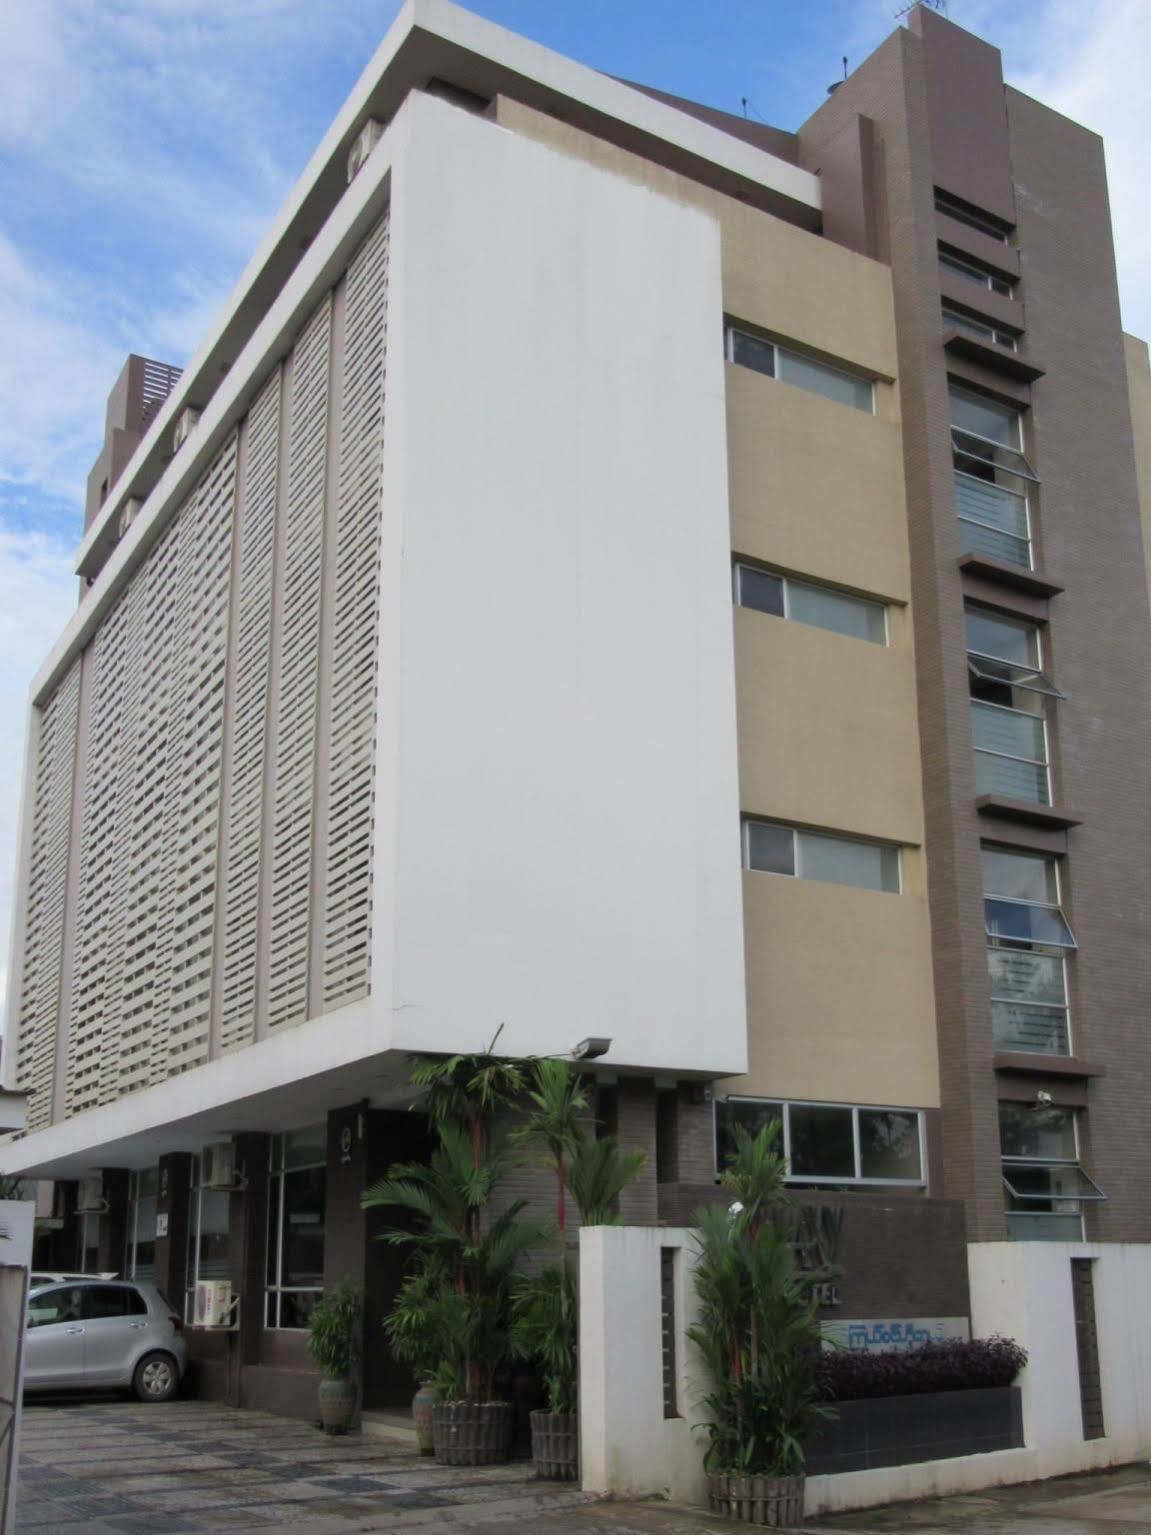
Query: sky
{"points": [[145, 145]]}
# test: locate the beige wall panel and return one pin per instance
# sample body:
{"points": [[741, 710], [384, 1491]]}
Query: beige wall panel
{"points": [[774, 275], [816, 487], [1139, 387], [840, 1004], [827, 729]]}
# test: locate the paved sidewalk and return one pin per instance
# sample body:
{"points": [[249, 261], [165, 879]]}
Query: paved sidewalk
{"points": [[119, 1468]]}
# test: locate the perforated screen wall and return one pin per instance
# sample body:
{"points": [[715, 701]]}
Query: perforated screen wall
{"points": [[201, 807]]}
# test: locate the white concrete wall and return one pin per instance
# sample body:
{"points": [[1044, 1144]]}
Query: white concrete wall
{"points": [[558, 737], [1020, 1290], [627, 1446], [17, 1217], [1023, 1290]]}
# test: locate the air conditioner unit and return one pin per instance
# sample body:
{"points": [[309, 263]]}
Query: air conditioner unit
{"points": [[90, 1196], [213, 1303], [218, 1166], [128, 515], [366, 140], [184, 423]]}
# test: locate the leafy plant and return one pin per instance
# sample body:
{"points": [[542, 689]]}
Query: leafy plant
{"points": [[556, 1118], [466, 1089], [953, 1364], [545, 1328], [596, 1175], [758, 1330], [334, 1331], [462, 1276]]}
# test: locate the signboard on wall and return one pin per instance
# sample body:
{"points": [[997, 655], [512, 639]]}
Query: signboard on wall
{"points": [[873, 1335]]}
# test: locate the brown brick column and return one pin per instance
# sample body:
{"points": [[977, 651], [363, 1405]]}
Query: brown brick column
{"points": [[635, 1127], [113, 1221], [172, 1202]]}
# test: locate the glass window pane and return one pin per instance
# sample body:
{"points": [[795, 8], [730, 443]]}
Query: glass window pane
{"points": [[306, 1148], [1032, 1030], [302, 1253], [1044, 1228], [107, 1300], [832, 383], [1042, 1131], [853, 616], [1019, 876], [750, 1116], [1021, 975], [1019, 923], [64, 1305], [974, 539], [757, 589], [843, 862], [822, 1142], [1004, 638], [998, 507], [1008, 731], [1013, 780], [213, 1260], [144, 1251], [888, 1144], [752, 352], [771, 849], [296, 1307], [1058, 1181], [985, 417]]}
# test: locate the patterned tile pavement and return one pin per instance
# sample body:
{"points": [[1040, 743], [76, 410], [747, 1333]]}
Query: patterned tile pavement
{"points": [[119, 1468]]}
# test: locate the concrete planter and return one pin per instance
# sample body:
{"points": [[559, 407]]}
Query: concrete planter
{"points": [[555, 1445], [423, 1404], [901, 1430], [337, 1405], [472, 1433], [776, 1501]]}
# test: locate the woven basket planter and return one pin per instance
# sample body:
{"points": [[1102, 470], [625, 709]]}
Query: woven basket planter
{"points": [[776, 1501], [555, 1445], [472, 1433]]}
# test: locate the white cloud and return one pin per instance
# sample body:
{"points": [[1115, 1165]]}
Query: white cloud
{"points": [[37, 595]]}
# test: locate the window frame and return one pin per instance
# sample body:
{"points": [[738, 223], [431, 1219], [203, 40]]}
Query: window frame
{"points": [[996, 942], [969, 268], [804, 1180], [747, 821], [278, 1173], [196, 1191], [739, 566], [132, 1235], [1002, 459], [955, 319], [1006, 1162], [952, 208], [733, 328]]}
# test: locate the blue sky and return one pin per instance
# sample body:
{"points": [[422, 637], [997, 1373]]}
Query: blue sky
{"points": [[146, 144]]}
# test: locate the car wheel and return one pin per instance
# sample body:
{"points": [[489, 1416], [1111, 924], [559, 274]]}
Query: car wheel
{"points": [[156, 1378]]}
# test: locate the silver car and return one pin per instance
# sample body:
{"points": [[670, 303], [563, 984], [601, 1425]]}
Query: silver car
{"points": [[91, 1333]]}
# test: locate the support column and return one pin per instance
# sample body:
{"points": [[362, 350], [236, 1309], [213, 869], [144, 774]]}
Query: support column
{"points": [[174, 1178], [635, 1127], [113, 1221]]}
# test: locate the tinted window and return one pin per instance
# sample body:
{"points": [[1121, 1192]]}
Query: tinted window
{"points": [[63, 1305], [842, 862], [822, 1142], [770, 848], [818, 378], [853, 616], [112, 1300]]}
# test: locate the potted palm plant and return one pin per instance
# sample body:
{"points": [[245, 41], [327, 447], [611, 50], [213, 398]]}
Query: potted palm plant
{"points": [[759, 1334], [465, 1258], [545, 1307], [334, 1337]]}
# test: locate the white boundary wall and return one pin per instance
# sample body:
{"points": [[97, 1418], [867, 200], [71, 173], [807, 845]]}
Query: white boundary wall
{"points": [[1019, 1289], [17, 1217]]}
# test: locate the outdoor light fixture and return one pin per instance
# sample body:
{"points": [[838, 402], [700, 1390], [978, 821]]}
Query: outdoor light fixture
{"points": [[591, 1049]]}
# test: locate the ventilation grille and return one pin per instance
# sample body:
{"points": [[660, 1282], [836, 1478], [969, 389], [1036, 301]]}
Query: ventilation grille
{"points": [[46, 899], [167, 658]]}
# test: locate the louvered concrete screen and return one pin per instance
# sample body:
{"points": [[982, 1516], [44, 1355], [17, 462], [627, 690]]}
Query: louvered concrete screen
{"points": [[200, 868]]}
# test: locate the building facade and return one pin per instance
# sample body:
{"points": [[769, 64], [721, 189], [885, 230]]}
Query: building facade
{"points": [[613, 568]]}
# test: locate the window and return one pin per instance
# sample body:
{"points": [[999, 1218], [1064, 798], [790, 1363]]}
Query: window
{"points": [[296, 1226], [819, 606], [63, 1305], [831, 1143], [971, 271], [774, 849], [111, 1300], [752, 351], [963, 214], [957, 320], [1028, 938], [208, 1244], [1044, 1186], [1009, 696], [140, 1251], [991, 478]]}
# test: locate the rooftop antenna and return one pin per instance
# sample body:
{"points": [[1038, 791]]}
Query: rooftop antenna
{"points": [[933, 5], [831, 89]]}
